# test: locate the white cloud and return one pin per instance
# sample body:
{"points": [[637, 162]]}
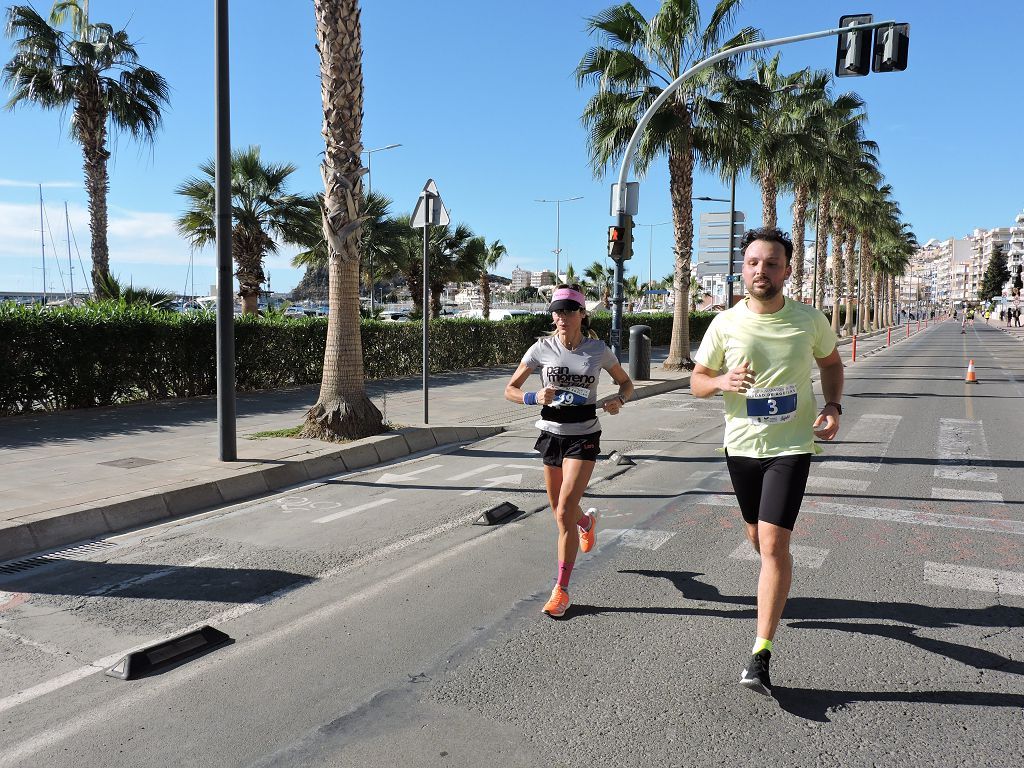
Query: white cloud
{"points": [[35, 184]]}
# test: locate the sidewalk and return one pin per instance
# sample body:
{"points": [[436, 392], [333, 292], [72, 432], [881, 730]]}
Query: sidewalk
{"points": [[76, 475]]}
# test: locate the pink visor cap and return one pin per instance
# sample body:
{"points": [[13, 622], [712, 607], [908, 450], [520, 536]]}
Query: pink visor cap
{"points": [[567, 298]]}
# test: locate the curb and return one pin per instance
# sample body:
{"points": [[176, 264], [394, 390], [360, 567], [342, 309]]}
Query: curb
{"points": [[50, 530]]}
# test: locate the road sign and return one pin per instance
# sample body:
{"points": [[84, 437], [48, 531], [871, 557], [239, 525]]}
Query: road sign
{"points": [[430, 210]]}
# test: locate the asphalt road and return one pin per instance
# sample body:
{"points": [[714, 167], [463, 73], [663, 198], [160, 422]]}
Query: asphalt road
{"points": [[374, 625]]}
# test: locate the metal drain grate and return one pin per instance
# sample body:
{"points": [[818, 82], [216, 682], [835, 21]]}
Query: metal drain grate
{"points": [[19, 566]]}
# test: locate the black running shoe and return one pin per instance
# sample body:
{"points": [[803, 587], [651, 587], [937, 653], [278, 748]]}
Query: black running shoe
{"points": [[755, 676]]}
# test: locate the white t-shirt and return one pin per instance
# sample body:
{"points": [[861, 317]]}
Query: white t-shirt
{"points": [[574, 374]]}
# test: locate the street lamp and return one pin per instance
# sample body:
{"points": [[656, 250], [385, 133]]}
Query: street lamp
{"points": [[558, 227], [650, 252], [369, 190]]}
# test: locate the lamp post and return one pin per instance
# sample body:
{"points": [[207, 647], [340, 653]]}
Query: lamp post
{"points": [[650, 251], [369, 190], [558, 227]]}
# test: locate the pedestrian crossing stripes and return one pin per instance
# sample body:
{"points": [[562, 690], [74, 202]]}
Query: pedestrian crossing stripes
{"points": [[837, 484], [966, 494], [962, 452], [636, 537], [803, 557], [875, 430], [972, 578]]}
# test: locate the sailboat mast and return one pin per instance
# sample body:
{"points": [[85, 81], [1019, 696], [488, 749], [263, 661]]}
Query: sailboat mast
{"points": [[42, 240], [71, 269]]}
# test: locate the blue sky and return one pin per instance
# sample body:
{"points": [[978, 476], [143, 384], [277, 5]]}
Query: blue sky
{"points": [[482, 98]]}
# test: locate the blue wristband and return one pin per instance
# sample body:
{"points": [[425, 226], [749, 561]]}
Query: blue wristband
{"points": [[529, 398]]}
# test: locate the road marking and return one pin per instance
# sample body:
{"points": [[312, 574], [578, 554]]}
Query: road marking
{"points": [[803, 557], [539, 467], [639, 538], [387, 477], [966, 494], [352, 511], [478, 470], [962, 451], [872, 429], [977, 579], [913, 517], [837, 484], [495, 481], [107, 589]]}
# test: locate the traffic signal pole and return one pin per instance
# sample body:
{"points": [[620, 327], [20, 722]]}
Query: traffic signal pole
{"points": [[619, 206]]}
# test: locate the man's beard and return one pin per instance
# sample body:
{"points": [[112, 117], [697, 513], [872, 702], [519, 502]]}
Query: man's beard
{"points": [[764, 291]]}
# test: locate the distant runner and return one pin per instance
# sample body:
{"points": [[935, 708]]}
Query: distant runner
{"points": [[570, 360], [765, 345]]}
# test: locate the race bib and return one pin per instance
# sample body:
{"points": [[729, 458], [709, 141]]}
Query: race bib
{"points": [[771, 405], [566, 396]]}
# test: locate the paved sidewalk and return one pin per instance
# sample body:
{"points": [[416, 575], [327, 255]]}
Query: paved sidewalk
{"points": [[75, 475]]}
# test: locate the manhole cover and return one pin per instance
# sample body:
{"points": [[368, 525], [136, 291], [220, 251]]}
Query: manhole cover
{"points": [[130, 463]]}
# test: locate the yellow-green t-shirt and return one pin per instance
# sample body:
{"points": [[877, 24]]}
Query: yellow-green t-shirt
{"points": [[776, 416]]}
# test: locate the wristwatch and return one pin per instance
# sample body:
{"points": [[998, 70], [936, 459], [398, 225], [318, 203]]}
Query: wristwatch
{"points": [[839, 408]]}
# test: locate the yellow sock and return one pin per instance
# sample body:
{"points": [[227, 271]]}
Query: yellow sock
{"points": [[761, 644]]}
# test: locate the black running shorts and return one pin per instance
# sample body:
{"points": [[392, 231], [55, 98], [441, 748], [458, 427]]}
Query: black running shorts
{"points": [[554, 448], [771, 489]]}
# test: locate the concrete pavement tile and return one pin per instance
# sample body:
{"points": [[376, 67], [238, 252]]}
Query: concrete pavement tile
{"points": [[418, 439], [15, 541], [192, 498], [244, 485], [388, 446]]}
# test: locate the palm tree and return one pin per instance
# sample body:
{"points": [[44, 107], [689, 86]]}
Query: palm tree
{"points": [[598, 282], [629, 72], [94, 71], [343, 410], [492, 255], [261, 210]]}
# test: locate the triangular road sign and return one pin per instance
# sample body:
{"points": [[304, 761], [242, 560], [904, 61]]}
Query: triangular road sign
{"points": [[430, 211]]}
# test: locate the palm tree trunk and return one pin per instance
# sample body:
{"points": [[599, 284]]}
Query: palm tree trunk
{"points": [[821, 246], [838, 245], [800, 198], [769, 200], [485, 294], [876, 319], [680, 166], [91, 120], [343, 410], [851, 277]]}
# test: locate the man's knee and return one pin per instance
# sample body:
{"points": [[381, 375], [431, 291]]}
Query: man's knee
{"points": [[774, 543]]}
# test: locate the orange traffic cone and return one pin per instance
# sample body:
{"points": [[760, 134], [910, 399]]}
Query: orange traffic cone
{"points": [[971, 377]]}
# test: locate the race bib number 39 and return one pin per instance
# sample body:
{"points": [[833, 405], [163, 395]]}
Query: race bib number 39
{"points": [[772, 405]]}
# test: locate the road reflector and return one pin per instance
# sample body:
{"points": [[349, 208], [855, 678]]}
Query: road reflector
{"points": [[619, 460], [169, 652], [498, 514]]}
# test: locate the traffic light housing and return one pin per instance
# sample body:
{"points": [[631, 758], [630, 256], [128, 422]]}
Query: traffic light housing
{"points": [[620, 239], [853, 49], [891, 46]]}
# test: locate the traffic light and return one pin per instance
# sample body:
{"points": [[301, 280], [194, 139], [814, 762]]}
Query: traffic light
{"points": [[891, 46], [620, 239], [853, 49]]}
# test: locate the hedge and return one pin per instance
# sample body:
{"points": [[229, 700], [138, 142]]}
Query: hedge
{"points": [[71, 357]]}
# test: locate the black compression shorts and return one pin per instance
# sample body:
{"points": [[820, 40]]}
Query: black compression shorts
{"points": [[770, 489], [556, 448]]}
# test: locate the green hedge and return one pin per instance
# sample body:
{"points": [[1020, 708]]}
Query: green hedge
{"points": [[106, 354]]}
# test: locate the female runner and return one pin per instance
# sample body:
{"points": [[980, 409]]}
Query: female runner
{"points": [[569, 360]]}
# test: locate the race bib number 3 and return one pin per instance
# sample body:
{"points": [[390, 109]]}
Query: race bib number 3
{"points": [[772, 405]]}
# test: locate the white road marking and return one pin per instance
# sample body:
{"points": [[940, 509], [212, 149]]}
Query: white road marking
{"points": [[962, 451], [873, 429], [977, 579], [16, 755], [639, 538], [401, 478], [539, 467], [837, 484], [966, 494], [352, 511], [495, 481], [803, 557], [108, 588], [478, 470]]}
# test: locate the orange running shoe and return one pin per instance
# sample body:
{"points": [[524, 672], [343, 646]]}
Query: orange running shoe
{"points": [[557, 605], [589, 538]]}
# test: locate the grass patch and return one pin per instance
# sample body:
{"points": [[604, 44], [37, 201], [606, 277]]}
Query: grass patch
{"points": [[290, 432]]}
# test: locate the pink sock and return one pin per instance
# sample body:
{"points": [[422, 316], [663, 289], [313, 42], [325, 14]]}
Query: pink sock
{"points": [[585, 522], [564, 571]]}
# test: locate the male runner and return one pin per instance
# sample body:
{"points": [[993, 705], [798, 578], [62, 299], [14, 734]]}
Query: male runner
{"points": [[765, 346]]}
